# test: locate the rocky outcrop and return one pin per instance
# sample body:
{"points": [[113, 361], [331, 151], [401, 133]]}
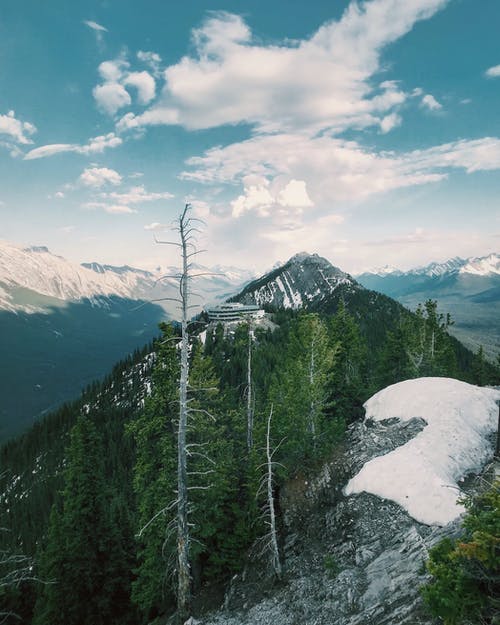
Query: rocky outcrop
{"points": [[355, 560]]}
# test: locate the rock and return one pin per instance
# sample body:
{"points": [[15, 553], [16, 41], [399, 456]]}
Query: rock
{"points": [[355, 560]]}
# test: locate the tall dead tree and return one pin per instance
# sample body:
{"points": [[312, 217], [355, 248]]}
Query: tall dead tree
{"points": [[270, 540], [184, 568], [250, 399], [186, 229]]}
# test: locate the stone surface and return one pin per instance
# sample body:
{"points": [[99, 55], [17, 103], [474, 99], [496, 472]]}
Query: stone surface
{"points": [[355, 560]]}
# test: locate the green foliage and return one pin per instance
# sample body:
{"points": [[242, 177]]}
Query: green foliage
{"points": [[331, 566], [84, 562], [465, 587]]}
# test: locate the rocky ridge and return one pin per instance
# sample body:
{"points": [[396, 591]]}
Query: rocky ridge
{"points": [[302, 282], [355, 560]]}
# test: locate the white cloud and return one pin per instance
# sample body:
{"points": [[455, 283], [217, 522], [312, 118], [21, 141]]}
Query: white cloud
{"points": [[493, 72], [111, 96], [137, 195], [389, 122], [97, 177], [294, 194], [15, 129], [155, 226], [325, 81], [335, 171], [118, 209], [152, 59], [114, 209], [95, 26], [430, 102], [96, 145], [67, 229], [145, 85], [112, 71]]}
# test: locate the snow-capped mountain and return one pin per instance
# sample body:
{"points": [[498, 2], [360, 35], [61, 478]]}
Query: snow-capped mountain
{"points": [[478, 266], [467, 288], [485, 266], [303, 282], [37, 270]]}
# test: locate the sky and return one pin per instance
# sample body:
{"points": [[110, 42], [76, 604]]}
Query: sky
{"points": [[367, 132]]}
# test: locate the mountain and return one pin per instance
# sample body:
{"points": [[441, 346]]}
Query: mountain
{"points": [[469, 289], [310, 282], [334, 545], [28, 273], [303, 282], [62, 325]]}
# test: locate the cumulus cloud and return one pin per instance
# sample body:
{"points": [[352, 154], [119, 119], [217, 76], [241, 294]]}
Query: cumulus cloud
{"points": [[325, 81], [97, 177], [96, 145], [430, 102], [493, 72], [16, 130], [113, 95], [145, 85]]}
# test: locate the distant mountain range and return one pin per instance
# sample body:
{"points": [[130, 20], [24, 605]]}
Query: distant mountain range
{"points": [[467, 288], [28, 273], [64, 325]]}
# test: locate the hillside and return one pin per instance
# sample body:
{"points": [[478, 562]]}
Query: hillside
{"points": [[315, 368], [63, 325]]}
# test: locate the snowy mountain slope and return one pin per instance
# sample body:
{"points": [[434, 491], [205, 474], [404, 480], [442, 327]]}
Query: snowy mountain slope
{"points": [[422, 475], [485, 266], [478, 266], [468, 289], [303, 282], [36, 270]]}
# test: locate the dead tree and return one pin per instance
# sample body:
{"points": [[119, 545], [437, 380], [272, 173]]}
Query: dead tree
{"points": [[249, 390], [186, 229], [183, 560], [270, 540]]}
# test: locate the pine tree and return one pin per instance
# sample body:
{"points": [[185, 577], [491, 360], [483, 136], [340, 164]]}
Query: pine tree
{"points": [[84, 560]]}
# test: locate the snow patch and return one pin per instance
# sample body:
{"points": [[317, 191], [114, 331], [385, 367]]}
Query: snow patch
{"points": [[422, 475]]}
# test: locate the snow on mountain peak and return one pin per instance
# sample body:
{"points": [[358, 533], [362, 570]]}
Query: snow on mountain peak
{"points": [[485, 266], [36, 269], [422, 475]]}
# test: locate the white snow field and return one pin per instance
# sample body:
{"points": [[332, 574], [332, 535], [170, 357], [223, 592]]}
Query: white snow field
{"points": [[422, 475]]}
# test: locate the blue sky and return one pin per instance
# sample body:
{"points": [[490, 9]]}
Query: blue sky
{"points": [[367, 132]]}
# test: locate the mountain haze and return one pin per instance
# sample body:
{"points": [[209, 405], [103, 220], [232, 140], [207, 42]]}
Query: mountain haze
{"points": [[469, 289]]}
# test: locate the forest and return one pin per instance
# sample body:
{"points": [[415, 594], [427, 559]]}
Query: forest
{"points": [[89, 494]]}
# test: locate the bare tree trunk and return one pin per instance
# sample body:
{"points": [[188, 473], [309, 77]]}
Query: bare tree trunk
{"points": [[249, 391], [184, 569], [275, 554], [312, 406]]}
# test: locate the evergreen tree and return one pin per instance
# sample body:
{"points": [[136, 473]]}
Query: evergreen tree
{"points": [[348, 379], [479, 368], [84, 561], [300, 392]]}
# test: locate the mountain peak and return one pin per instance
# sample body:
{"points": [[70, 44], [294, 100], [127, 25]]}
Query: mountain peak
{"points": [[302, 282], [37, 249]]}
